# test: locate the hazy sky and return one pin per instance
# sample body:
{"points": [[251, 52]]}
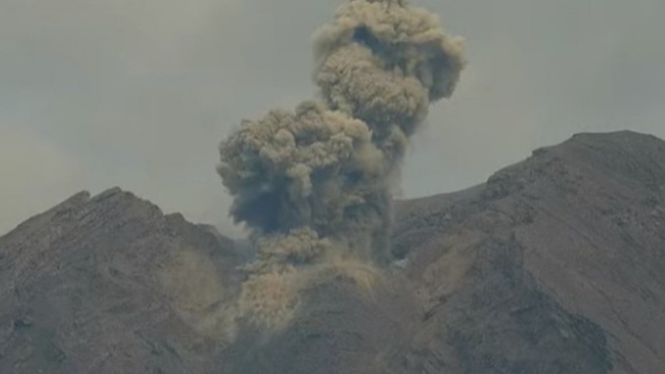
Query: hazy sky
{"points": [[138, 93]]}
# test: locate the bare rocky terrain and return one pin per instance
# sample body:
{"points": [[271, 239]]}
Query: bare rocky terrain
{"points": [[555, 265]]}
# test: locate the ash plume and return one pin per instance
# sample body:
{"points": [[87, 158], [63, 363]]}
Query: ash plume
{"points": [[316, 183]]}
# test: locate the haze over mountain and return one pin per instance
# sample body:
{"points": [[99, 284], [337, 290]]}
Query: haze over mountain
{"points": [[554, 265]]}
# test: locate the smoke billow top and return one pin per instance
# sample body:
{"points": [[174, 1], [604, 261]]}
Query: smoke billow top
{"points": [[314, 185]]}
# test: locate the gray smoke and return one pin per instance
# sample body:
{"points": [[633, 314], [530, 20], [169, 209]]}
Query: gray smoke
{"points": [[316, 183]]}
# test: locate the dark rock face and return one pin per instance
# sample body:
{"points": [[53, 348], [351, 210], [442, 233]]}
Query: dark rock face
{"points": [[81, 293], [555, 265]]}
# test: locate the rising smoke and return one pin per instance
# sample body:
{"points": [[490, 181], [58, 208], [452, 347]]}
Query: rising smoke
{"points": [[315, 185]]}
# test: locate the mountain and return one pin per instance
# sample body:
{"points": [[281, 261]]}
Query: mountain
{"points": [[81, 288], [554, 265]]}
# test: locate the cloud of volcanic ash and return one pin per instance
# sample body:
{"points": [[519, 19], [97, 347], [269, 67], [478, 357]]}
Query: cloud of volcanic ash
{"points": [[314, 185]]}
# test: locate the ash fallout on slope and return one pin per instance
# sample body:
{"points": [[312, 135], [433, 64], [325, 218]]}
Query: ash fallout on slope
{"points": [[316, 183]]}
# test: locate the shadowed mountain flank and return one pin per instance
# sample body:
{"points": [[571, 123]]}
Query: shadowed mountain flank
{"points": [[108, 285], [554, 265]]}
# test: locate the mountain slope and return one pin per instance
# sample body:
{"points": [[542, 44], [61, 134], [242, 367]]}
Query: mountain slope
{"points": [[569, 245], [555, 265], [83, 288]]}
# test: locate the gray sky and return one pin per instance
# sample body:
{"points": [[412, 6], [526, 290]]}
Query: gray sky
{"points": [[138, 93]]}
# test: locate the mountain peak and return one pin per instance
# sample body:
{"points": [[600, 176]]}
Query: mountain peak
{"points": [[103, 282], [555, 265]]}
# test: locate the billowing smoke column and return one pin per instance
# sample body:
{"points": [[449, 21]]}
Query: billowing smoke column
{"points": [[316, 182]]}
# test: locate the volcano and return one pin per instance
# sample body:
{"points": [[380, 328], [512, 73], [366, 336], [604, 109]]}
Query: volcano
{"points": [[554, 265]]}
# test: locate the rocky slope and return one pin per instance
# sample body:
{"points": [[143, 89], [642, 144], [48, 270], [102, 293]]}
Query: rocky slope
{"points": [[95, 285], [555, 265]]}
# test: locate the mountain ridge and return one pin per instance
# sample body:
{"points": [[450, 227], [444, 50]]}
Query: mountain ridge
{"points": [[554, 265]]}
